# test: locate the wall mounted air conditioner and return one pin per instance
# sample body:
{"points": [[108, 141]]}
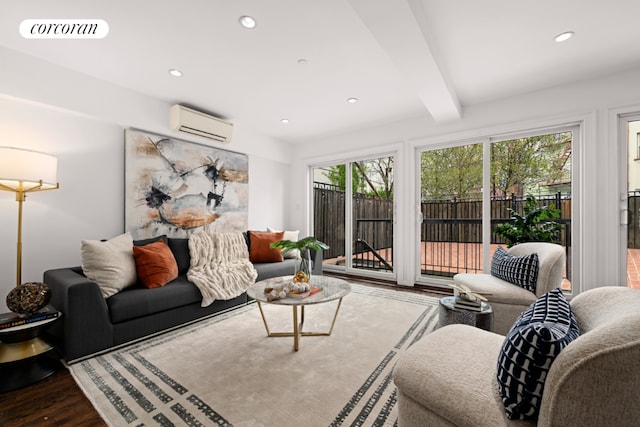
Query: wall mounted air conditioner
{"points": [[198, 123]]}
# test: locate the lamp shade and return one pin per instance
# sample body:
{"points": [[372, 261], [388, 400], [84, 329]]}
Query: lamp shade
{"points": [[29, 167]]}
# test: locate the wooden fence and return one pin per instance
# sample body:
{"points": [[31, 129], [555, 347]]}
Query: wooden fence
{"points": [[372, 221], [460, 220], [457, 220]]}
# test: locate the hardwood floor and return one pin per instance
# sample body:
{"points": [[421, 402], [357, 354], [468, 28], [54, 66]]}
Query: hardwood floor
{"points": [[54, 401], [57, 401]]}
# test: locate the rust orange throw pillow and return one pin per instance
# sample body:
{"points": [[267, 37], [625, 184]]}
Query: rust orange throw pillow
{"points": [[155, 264], [259, 249]]}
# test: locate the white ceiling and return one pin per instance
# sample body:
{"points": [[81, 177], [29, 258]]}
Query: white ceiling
{"points": [[400, 58]]}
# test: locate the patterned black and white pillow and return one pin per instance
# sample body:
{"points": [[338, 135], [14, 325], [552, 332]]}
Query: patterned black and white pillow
{"points": [[529, 349], [519, 270], [551, 307]]}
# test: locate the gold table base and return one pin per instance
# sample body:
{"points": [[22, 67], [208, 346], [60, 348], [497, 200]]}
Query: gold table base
{"points": [[297, 327], [11, 352]]}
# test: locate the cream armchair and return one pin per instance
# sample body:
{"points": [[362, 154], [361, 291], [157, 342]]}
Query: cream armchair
{"points": [[448, 378], [509, 300]]}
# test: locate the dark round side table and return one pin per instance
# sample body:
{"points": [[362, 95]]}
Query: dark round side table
{"points": [[25, 358], [448, 314]]}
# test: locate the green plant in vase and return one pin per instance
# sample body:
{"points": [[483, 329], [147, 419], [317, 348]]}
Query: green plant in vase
{"points": [[303, 246], [536, 225]]}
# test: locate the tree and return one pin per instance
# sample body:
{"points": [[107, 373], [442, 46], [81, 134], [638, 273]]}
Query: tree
{"points": [[378, 176], [519, 165], [449, 173], [337, 176], [373, 177]]}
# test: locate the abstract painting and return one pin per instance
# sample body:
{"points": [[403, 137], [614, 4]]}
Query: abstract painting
{"points": [[176, 187]]}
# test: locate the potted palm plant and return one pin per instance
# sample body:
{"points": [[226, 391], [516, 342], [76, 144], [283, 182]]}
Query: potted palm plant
{"points": [[303, 246], [536, 225]]}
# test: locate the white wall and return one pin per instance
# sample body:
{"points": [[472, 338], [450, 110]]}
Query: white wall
{"points": [[81, 121], [589, 102]]}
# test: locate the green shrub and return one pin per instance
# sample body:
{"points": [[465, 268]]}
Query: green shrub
{"points": [[536, 225]]}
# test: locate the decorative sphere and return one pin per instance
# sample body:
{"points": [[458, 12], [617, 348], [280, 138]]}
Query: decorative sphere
{"points": [[300, 276], [28, 298]]}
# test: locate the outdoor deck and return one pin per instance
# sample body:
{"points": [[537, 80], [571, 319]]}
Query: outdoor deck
{"points": [[633, 268]]}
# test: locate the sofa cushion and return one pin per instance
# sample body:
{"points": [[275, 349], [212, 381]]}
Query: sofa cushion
{"points": [[260, 249], [109, 263], [180, 249], [139, 301], [519, 270], [144, 242], [155, 264], [529, 349], [499, 291], [267, 270]]}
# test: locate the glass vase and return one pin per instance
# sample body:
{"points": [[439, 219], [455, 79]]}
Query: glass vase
{"points": [[304, 262]]}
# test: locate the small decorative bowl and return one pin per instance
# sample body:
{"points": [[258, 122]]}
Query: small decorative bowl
{"points": [[28, 298]]}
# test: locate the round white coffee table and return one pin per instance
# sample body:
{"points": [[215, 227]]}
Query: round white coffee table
{"points": [[332, 289]]}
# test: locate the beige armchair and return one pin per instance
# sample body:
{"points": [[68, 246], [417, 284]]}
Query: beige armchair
{"points": [[448, 378], [508, 300]]}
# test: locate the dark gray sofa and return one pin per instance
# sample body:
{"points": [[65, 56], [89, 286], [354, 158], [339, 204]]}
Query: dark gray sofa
{"points": [[91, 324]]}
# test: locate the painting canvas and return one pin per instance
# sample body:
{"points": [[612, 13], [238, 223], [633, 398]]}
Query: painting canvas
{"points": [[176, 187]]}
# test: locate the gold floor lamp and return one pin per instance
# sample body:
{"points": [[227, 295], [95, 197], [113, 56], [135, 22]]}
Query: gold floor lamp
{"points": [[24, 171]]}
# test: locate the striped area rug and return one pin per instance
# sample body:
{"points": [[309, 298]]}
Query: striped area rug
{"points": [[225, 371]]}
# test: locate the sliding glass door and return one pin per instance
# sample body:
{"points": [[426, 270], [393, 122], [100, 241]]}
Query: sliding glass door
{"points": [[469, 189], [353, 208], [372, 214], [528, 175], [329, 213], [451, 208]]}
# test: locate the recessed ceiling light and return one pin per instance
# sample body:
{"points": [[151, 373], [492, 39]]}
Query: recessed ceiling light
{"points": [[247, 22], [564, 36], [352, 100], [285, 121], [175, 73], [302, 61]]}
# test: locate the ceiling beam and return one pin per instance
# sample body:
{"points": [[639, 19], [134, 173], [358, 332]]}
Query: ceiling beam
{"points": [[400, 28]]}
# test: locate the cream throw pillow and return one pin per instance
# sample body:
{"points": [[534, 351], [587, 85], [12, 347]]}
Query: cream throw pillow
{"points": [[110, 264], [288, 235]]}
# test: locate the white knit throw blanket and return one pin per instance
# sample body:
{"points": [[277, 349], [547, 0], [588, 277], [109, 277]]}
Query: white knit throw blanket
{"points": [[220, 265]]}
